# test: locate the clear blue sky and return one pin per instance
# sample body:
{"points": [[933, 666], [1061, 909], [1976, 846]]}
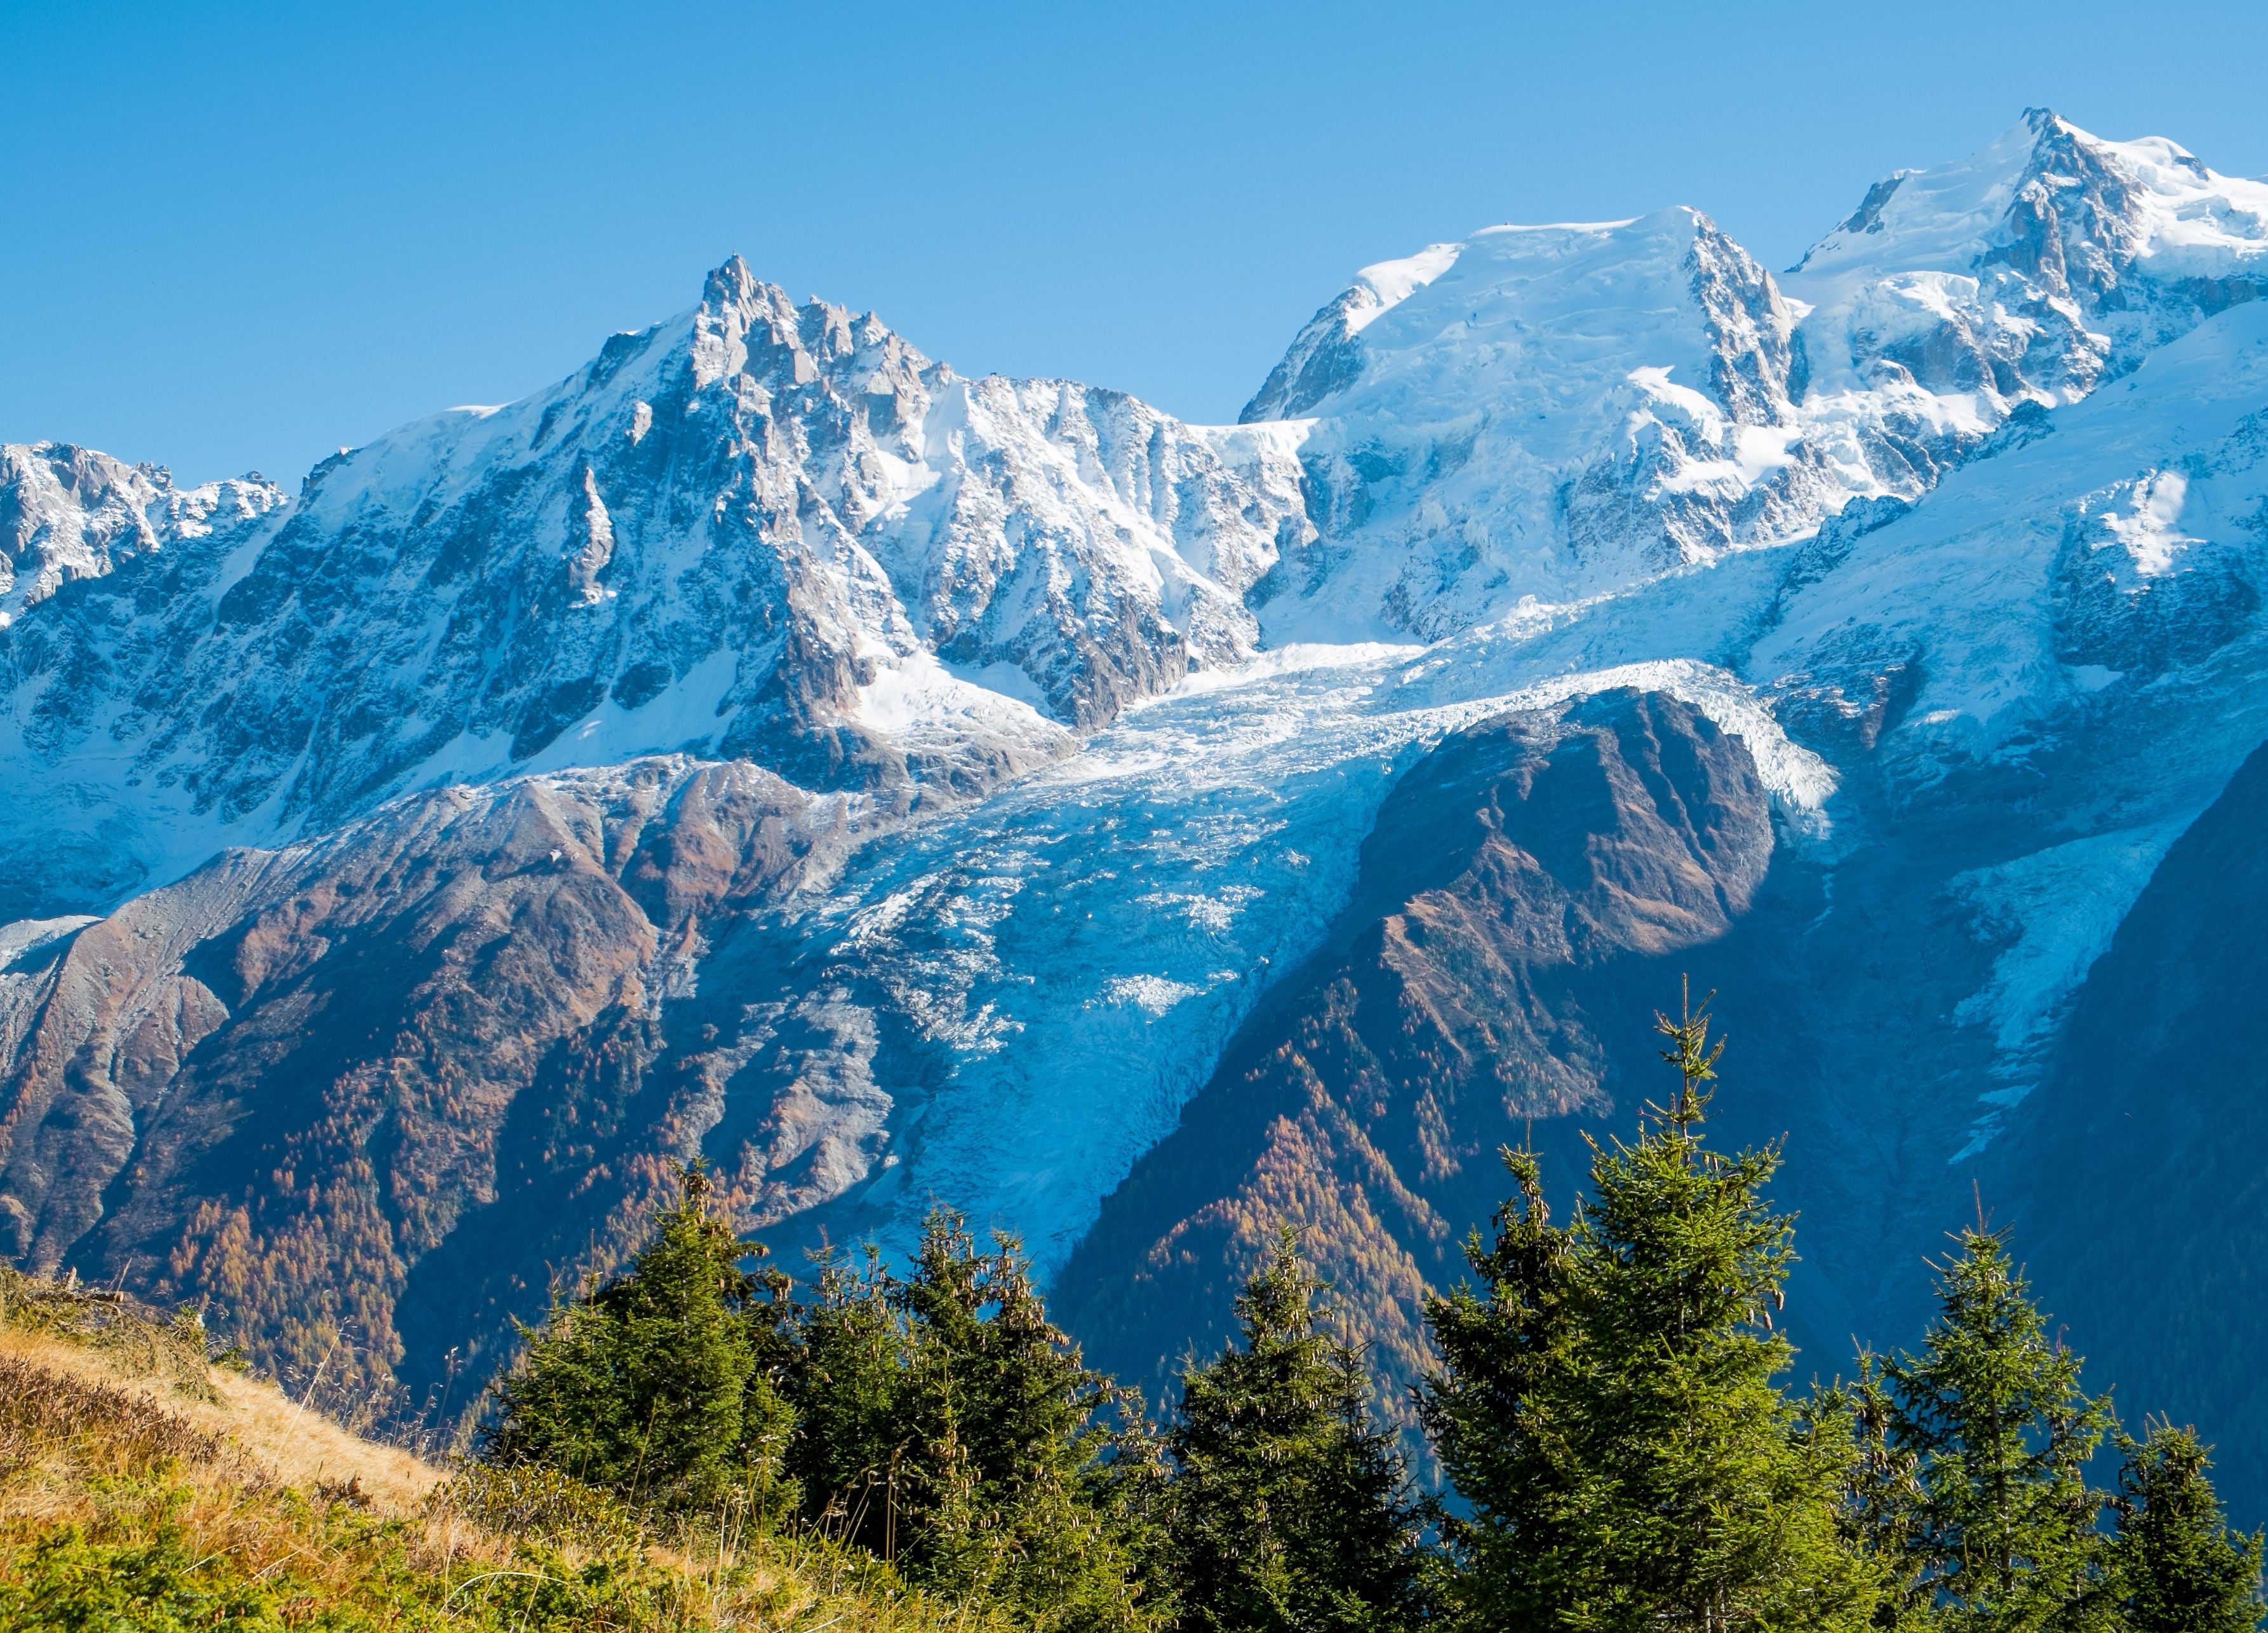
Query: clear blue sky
{"points": [[238, 237]]}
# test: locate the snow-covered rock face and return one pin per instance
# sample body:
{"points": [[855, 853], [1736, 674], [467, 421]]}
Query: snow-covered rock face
{"points": [[69, 513], [759, 531], [1081, 537], [1475, 435], [2030, 272]]}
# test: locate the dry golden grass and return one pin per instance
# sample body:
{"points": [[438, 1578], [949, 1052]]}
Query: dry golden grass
{"points": [[158, 1489], [289, 1444]]}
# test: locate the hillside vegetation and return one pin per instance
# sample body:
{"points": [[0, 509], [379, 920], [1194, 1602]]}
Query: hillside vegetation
{"points": [[146, 1484], [702, 1443]]}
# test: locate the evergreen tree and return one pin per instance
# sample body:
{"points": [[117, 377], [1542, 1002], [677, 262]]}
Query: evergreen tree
{"points": [[1671, 1483], [2179, 1568], [657, 1386], [946, 1423], [1291, 1512], [1882, 1499], [1499, 1413], [2003, 1535], [1013, 1483], [848, 1386]]}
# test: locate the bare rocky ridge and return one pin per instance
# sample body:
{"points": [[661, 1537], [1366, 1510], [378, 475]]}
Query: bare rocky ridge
{"points": [[299, 1084]]}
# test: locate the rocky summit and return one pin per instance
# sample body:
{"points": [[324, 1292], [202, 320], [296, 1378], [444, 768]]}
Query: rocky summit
{"points": [[768, 745]]}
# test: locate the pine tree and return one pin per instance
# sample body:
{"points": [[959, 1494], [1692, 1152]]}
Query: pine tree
{"points": [[651, 1386], [2179, 1568], [1013, 1482], [946, 1425], [1673, 1483], [1499, 1411], [1291, 1511], [2003, 1537], [847, 1387], [1883, 1499]]}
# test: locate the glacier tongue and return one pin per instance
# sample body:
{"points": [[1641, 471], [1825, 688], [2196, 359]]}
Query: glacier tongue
{"points": [[1068, 958]]}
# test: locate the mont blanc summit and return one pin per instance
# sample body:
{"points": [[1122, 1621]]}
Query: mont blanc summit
{"points": [[767, 744]]}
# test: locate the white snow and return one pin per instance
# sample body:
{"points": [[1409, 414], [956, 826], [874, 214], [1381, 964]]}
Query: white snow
{"points": [[917, 695], [2059, 908], [2149, 528], [1393, 282], [1152, 994]]}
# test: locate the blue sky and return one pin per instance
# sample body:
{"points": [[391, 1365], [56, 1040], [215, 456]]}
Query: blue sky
{"points": [[238, 237]]}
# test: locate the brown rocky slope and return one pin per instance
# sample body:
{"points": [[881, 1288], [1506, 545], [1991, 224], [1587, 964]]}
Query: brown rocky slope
{"points": [[1457, 999], [370, 1096]]}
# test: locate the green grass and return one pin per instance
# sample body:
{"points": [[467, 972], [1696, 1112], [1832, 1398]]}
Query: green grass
{"points": [[118, 1511]]}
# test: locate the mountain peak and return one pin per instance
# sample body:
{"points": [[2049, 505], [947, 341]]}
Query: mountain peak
{"points": [[2130, 199], [730, 282], [1496, 273]]}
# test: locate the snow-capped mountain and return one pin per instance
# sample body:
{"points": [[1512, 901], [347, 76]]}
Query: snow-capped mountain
{"points": [[2034, 271], [767, 744], [758, 531], [1480, 437]]}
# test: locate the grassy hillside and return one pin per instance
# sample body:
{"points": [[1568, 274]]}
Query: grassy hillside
{"points": [[146, 1485]]}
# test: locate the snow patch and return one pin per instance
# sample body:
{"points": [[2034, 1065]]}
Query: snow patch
{"points": [[1152, 994], [1394, 282], [2148, 529], [2060, 907]]}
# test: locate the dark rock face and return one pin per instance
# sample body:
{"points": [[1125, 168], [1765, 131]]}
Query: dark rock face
{"points": [[2141, 1186], [1324, 360], [1515, 874], [2111, 611]]}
